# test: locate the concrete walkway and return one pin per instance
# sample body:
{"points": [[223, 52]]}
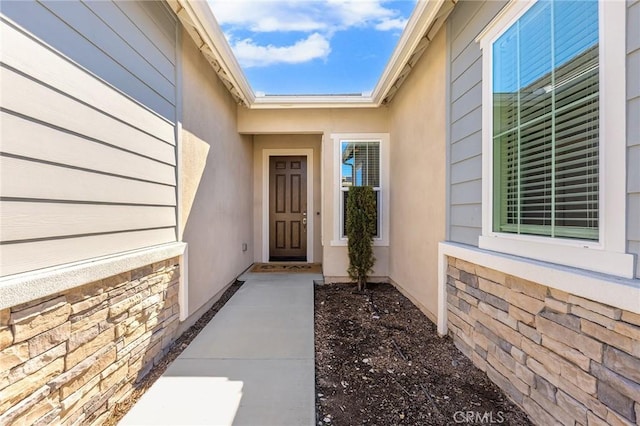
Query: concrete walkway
{"points": [[253, 364]]}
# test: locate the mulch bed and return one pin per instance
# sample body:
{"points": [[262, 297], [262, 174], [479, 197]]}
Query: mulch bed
{"points": [[380, 361]]}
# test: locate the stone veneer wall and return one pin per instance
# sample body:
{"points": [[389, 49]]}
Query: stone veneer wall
{"points": [[69, 358], [562, 358]]}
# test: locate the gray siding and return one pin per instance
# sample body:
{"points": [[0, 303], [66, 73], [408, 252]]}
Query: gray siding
{"points": [[88, 156], [128, 44], [465, 150], [633, 129]]}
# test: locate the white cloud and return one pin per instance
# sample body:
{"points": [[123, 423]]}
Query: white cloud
{"points": [[250, 54], [391, 24], [267, 24], [319, 19], [359, 13], [305, 15], [269, 16]]}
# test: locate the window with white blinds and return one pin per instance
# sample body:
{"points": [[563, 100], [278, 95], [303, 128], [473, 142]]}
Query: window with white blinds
{"points": [[360, 167], [546, 113]]}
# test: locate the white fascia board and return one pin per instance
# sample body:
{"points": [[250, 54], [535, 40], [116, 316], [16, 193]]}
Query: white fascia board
{"points": [[423, 16], [419, 22], [202, 18], [327, 101]]}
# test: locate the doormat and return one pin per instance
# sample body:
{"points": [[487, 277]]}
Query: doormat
{"points": [[289, 268]]}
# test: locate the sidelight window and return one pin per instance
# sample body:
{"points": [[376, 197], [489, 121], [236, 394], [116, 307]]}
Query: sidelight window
{"points": [[361, 160], [360, 167]]}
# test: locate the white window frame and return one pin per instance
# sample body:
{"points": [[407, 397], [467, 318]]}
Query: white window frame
{"points": [[608, 254], [383, 208]]}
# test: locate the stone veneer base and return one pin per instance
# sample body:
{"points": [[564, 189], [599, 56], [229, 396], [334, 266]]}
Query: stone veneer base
{"points": [[70, 357], [562, 358]]}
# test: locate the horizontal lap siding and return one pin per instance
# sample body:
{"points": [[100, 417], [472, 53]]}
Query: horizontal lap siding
{"points": [[43, 253], [633, 129], [75, 30], [465, 155], [57, 145], [33, 99], [27, 179], [465, 91], [88, 157]]}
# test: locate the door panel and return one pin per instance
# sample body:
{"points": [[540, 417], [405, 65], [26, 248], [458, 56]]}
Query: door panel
{"points": [[287, 208]]}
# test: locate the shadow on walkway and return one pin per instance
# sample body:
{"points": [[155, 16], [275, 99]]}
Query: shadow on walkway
{"points": [[253, 364]]}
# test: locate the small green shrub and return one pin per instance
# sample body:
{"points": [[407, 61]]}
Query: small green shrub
{"points": [[361, 225]]}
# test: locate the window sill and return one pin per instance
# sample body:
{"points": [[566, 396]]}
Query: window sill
{"points": [[610, 290], [562, 252]]}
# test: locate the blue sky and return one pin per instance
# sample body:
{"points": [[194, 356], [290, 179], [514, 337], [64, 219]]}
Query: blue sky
{"points": [[312, 46]]}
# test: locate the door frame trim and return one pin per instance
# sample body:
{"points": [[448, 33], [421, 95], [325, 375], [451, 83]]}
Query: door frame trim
{"points": [[286, 152]]}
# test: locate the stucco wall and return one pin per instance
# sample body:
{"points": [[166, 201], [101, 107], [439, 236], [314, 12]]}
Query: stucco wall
{"points": [[285, 142], [329, 120], [324, 122], [417, 123], [216, 179]]}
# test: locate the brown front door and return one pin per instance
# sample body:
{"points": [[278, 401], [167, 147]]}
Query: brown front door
{"points": [[288, 208]]}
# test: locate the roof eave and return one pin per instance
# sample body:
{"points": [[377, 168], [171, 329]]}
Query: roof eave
{"points": [[314, 101], [203, 28], [424, 24]]}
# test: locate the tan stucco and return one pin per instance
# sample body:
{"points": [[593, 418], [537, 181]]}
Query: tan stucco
{"points": [[336, 263], [319, 122], [341, 120], [417, 127], [284, 143], [216, 181]]}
